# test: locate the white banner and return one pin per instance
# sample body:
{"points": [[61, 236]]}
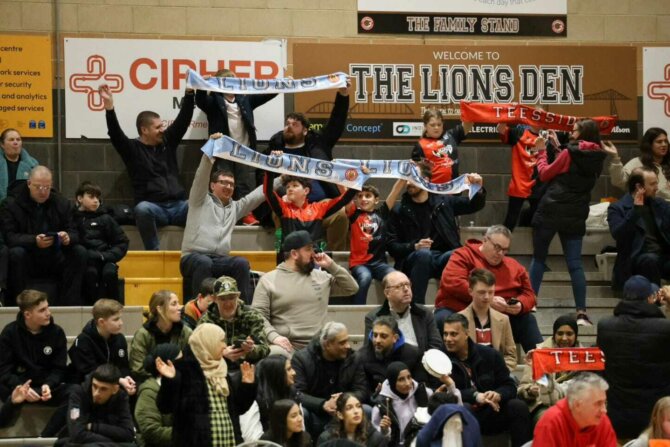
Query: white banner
{"points": [[466, 6], [151, 75], [656, 88]]}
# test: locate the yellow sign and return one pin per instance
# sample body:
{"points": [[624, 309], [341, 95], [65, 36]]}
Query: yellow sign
{"points": [[25, 85]]}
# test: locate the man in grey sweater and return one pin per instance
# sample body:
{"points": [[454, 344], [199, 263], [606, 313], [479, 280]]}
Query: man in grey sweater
{"points": [[293, 298], [212, 213]]}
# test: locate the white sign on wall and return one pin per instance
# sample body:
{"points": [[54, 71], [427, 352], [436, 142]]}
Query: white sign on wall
{"points": [[467, 6], [151, 75], [656, 87]]}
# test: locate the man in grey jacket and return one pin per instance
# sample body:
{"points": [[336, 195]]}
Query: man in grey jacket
{"points": [[293, 298], [205, 249]]}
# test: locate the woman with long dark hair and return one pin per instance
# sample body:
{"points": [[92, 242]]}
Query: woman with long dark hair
{"points": [[275, 378], [564, 207], [654, 154], [350, 423], [287, 426]]}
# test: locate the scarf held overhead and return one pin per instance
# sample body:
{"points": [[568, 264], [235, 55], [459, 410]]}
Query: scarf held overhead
{"points": [[342, 172], [519, 114], [551, 360], [242, 86]]}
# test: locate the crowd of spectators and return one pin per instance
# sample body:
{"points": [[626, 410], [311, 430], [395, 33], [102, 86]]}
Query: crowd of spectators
{"points": [[240, 363]]}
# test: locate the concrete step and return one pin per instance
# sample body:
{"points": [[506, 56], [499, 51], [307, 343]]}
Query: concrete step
{"points": [[72, 319], [554, 290], [257, 238], [569, 303]]}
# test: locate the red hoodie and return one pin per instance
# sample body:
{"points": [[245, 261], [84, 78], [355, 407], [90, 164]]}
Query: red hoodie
{"points": [[512, 279], [558, 428]]}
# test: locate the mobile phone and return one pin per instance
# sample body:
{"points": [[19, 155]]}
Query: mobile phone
{"points": [[512, 301], [237, 344], [51, 234]]}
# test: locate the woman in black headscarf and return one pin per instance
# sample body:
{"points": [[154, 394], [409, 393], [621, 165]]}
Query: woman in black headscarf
{"points": [[399, 398], [542, 394]]}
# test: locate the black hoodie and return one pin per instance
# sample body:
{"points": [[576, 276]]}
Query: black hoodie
{"points": [[90, 350], [110, 422], [40, 357], [102, 236]]}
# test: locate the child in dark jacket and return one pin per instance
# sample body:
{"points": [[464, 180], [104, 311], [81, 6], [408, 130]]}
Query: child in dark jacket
{"points": [[101, 341], [105, 243]]}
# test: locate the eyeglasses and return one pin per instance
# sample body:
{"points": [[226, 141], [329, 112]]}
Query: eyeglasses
{"points": [[402, 285], [499, 248], [226, 183], [41, 188]]}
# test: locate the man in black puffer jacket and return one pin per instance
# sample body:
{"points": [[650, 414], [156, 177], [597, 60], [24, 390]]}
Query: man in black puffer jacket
{"points": [[42, 238], [323, 370], [486, 387], [635, 342], [105, 242]]}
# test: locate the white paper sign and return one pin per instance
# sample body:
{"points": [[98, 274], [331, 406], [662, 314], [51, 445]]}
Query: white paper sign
{"points": [[466, 6], [656, 88], [151, 75]]}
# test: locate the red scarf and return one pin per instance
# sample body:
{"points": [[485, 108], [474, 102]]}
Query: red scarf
{"points": [[551, 360], [520, 114]]}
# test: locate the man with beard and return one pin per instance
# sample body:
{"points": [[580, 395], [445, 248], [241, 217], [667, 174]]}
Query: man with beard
{"points": [[293, 298], [298, 138], [422, 231], [386, 344], [640, 224]]}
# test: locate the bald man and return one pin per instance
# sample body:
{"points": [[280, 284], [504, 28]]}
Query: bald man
{"points": [[42, 238]]}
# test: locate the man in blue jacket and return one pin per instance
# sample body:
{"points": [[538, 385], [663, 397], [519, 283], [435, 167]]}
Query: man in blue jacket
{"points": [[640, 224]]}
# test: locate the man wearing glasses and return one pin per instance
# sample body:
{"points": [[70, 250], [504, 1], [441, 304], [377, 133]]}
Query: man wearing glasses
{"points": [[514, 295], [42, 238], [414, 320], [205, 249]]}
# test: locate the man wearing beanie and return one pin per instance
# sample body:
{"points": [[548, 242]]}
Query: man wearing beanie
{"points": [[635, 343], [293, 298]]}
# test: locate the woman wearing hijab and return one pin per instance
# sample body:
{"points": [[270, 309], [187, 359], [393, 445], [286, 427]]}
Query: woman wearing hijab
{"points": [[154, 428], [399, 398], [543, 394], [204, 400]]}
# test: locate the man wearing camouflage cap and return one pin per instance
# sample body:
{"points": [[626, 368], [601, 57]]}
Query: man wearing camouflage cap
{"points": [[243, 325]]}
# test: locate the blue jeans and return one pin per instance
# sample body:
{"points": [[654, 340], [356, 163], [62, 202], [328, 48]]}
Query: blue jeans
{"points": [[364, 274], [149, 216], [572, 250], [196, 267], [422, 265], [440, 315]]}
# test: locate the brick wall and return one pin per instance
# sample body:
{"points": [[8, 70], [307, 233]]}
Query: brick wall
{"points": [[622, 22]]}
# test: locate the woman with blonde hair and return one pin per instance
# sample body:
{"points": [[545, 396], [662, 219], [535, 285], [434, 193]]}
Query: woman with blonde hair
{"points": [[163, 325], [659, 426], [204, 400]]}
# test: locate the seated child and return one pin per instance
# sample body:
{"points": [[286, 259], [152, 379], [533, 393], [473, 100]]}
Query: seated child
{"points": [[100, 342], [104, 240]]}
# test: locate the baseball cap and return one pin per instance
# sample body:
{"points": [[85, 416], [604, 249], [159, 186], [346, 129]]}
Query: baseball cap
{"points": [[638, 288], [296, 240], [226, 285]]}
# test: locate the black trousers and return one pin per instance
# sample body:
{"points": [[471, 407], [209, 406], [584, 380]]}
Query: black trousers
{"points": [[67, 264], [513, 417]]}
